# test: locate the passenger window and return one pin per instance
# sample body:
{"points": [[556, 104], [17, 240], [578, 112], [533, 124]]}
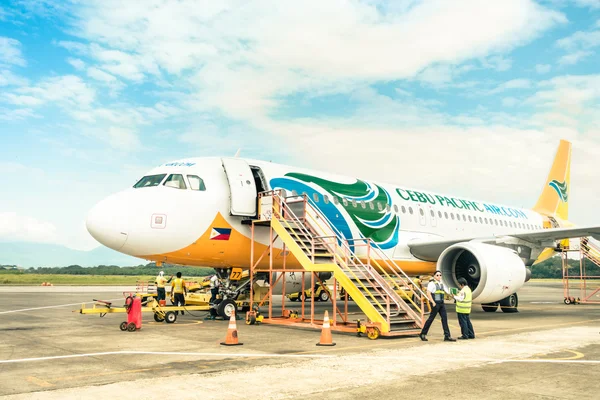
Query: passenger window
{"points": [[363, 204], [388, 208], [452, 216], [486, 221], [403, 210], [446, 215], [421, 212], [432, 213], [379, 206], [371, 206], [326, 199], [345, 201], [175, 181], [440, 214], [354, 203], [335, 200], [496, 221], [149, 181], [464, 218], [470, 220], [410, 210], [480, 220], [196, 183], [395, 208], [316, 197]]}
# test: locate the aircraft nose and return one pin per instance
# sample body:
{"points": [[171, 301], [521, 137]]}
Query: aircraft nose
{"points": [[108, 222]]}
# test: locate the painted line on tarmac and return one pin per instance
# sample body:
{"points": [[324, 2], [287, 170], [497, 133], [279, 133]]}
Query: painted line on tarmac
{"points": [[168, 353], [57, 306], [274, 355]]}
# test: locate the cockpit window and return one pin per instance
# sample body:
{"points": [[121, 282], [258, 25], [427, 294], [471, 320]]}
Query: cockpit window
{"points": [[196, 183], [149, 181], [175, 181]]}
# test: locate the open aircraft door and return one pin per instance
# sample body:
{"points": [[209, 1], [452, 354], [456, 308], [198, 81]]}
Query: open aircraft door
{"points": [[242, 189]]}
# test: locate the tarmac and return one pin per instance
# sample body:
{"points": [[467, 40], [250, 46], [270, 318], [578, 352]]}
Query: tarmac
{"points": [[548, 350]]}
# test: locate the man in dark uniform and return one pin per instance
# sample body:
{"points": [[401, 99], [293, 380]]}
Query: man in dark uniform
{"points": [[435, 292]]}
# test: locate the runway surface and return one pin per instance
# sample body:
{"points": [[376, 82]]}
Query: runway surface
{"points": [[548, 350]]}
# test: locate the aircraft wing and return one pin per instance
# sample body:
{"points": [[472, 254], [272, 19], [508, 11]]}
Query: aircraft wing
{"points": [[430, 249]]}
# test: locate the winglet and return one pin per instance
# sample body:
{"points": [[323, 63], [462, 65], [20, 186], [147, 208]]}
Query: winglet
{"points": [[554, 200], [237, 153]]}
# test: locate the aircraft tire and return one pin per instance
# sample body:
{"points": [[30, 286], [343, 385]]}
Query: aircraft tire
{"points": [[226, 307], [510, 304]]}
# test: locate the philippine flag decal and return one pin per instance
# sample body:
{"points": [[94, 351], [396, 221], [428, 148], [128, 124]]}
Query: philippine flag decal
{"points": [[220, 233]]}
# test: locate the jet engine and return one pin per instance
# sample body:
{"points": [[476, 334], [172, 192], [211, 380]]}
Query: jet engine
{"points": [[492, 272]]}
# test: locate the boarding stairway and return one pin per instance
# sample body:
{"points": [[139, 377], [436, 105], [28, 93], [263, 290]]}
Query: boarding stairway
{"points": [[590, 250], [392, 302]]}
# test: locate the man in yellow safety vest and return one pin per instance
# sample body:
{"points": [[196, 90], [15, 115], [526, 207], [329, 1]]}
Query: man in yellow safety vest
{"points": [[463, 309], [178, 289], [161, 281]]}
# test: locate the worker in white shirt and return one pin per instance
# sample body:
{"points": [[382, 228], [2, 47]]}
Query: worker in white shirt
{"points": [[435, 294], [463, 310], [161, 281], [214, 288]]}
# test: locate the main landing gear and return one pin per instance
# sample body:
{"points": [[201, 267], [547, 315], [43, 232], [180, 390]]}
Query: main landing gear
{"points": [[508, 305]]}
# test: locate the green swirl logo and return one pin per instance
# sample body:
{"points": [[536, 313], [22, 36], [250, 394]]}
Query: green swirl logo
{"points": [[561, 188]]}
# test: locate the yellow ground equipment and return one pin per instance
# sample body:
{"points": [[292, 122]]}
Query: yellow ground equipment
{"points": [[321, 294]]}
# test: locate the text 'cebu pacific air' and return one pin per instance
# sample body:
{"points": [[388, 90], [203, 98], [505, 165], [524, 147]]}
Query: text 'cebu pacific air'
{"points": [[198, 211]]}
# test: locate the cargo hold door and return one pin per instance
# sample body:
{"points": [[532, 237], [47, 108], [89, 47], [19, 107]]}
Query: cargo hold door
{"points": [[242, 189]]}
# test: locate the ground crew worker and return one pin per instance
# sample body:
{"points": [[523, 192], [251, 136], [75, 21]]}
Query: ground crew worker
{"points": [[463, 310], [435, 293], [178, 289], [214, 288], [160, 285]]}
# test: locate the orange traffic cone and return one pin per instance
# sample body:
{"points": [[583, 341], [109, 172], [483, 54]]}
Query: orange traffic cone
{"points": [[326, 339], [232, 335]]}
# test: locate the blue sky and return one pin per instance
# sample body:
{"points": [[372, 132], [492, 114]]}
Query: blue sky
{"points": [[466, 97]]}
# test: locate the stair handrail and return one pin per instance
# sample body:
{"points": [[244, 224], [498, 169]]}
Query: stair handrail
{"points": [[344, 243], [282, 202], [400, 274], [590, 250]]}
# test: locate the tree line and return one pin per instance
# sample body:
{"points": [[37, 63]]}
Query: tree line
{"points": [[148, 269], [551, 268]]}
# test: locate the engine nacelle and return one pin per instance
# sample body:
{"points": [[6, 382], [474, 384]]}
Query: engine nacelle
{"points": [[492, 272]]}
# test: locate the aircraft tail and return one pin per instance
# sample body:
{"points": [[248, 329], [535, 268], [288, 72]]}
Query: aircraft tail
{"points": [[554, 200]]}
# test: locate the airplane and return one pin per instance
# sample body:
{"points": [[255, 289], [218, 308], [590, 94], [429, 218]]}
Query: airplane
{"points": [[196, 211]]}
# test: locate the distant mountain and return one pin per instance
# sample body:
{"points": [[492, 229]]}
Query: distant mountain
{"points": [[28, 255]]}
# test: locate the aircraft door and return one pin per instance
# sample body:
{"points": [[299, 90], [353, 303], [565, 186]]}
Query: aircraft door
{"points": [[242, 196], [422, 216]]}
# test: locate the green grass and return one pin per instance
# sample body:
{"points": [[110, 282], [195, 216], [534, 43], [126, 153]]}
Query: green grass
{"points": [[58, 279]]}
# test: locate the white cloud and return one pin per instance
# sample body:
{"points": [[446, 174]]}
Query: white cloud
{"points": [[509, 102], [499, 63], [22, 100], [543, 68], [512, 84], [77, 63], [3, 14], [100, 75], [574, 58], [123, 139], [580, 40], [15, 227], [10, 52], [240, 58], [69, 90], [7, 78], [588, 3], [16, 114]]}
